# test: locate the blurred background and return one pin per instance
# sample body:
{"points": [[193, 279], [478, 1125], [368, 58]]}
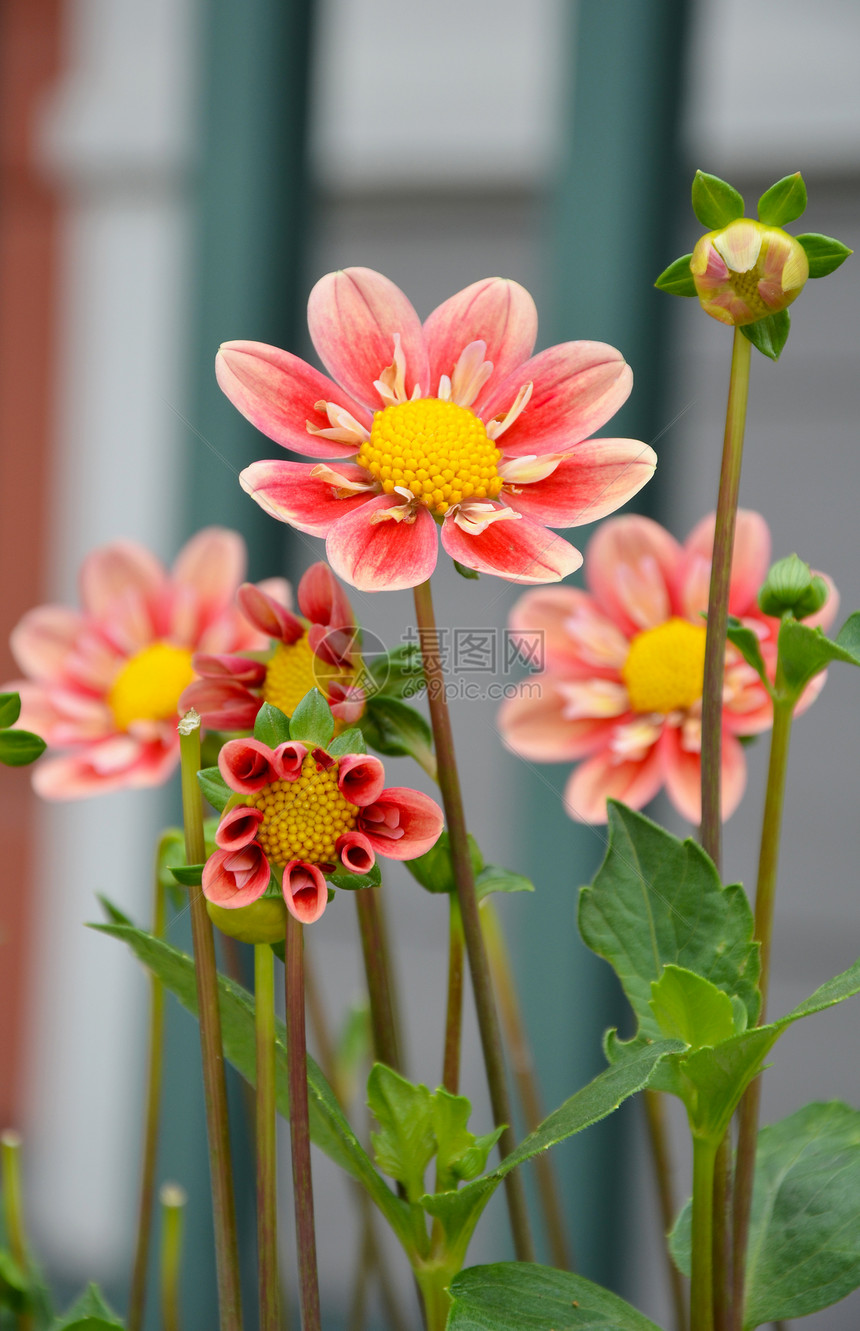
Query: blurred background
{"points": [[177, 174]]}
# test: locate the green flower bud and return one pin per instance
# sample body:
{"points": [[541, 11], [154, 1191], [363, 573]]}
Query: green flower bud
{"points": [[747, 271], [792, 587], [264, 921]]}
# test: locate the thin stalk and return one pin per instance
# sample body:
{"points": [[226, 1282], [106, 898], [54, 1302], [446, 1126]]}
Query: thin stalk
{"points": [[137, 1293], [267, 1203], [723, 1235], [173, 1200], [702, 1281], [768, 867], [300, 1140], [718, 599], [454, 1004], [525, 1082], [214, 1085], [433, 1282], [655, 1117], [488, 1021], [377, 969], [13, 1209]]}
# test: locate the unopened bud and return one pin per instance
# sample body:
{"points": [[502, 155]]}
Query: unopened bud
{"points": [[747, 271], [792, 586], [263, 921]]}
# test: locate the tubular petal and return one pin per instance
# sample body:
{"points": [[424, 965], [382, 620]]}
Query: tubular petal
{"points": [[235, 878], [247, 765], [402, 823], [360, 778], [223, 704], [322, 599], [355, 852], [238, 827], [240, 669], [267, 615], [305, 891]]}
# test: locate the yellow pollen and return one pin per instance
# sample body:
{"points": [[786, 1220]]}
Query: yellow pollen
{"points": [[294, 670], [436, 449], [149, 684], [665, 667], [303, 819]]}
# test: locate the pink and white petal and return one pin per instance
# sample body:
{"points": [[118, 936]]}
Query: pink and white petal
{"points": [[235, 878], [288, 758], [575, 638], [268, 616], [247, 765], [278, 393], [823, 618], [290, 492], [593, 481], [117, 571], [402, 823], [360, 778], [519, 551], [222, 704], [305, 891], [238, 827], [44, 639], [355, 852], [534, 726], [239, 669], [383, 555], [347, 702], [322, 600], [683, 773], [353, 316], [750, 558], [496, 311], [210, 566], [578, 386], [602, 778], [631, 565], [102, 767]]}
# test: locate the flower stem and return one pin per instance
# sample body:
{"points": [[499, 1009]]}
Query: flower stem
{"points": [[214, 1086], [13, 1209], [267, 1205], [718, 599], [173, 1200], [300, 1140], [454, 1005], [488, 1021], [137, 1293], [377, 969], [702, 1283], [723, 1234], [768, 865], [655, 1117], [525, 1081]]}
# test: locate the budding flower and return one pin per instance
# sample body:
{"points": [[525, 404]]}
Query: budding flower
{"points": [[792, 586], [747, 271]]}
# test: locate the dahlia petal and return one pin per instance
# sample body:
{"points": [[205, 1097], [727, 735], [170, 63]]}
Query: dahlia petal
{"points": [[383, 556], [739, 245], [750, 558], [632, 564], [239, 669], [346, 702], [305, 891], [594, 480], [683, 774], [247, 765], [355, 852], [823, 618], [44, 639], [495, 310], [211, 565], [77, 775], [109, 574], [290, 492], [593, 699], [577, 387], [602, 778], [353, 316], [519, 551], [534, 725], [238, 827], [268, 616], [402, 823], [323, 601], [360, 778], [288, 758], [564, 626], [279, 393], [235, 878], [223, 704]]}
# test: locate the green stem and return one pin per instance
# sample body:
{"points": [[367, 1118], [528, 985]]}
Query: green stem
{"points": [[454, 1005], [702, 1282], [214, 1085], [377, 969], [768, 867], [433, 1283], [267, 1205], [300, 1139], [13, 1209], [655, 1117], [718, 599], [723, 1235], [173, 1200], [137, 1293], [488, 1021]]}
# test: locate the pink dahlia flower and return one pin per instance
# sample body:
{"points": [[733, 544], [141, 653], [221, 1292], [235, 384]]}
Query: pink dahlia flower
{"points": [[103, 682], [319, 651], [309, 813], [451, 423], [622, 688]]}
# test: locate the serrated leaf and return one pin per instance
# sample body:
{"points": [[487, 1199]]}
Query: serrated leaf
{"points": [[187, 875], [434, 870], [824, 253], [805, 651], [393, 727], [460, 1155], [272, 726], [214, 788], [354, 882], [688, 1007], [677, 279], [522, 1296], [715, 202], [493, 878], [90, 1312], [405, 1144], [783, 202], [747, 644], [769, 335], [10, 709], [18, 748], [465, 571], [312, 722], [348, 741]]}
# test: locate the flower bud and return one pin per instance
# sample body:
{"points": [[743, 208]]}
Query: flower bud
{"points": [[747, 271], [791, 586], [264, 921]]}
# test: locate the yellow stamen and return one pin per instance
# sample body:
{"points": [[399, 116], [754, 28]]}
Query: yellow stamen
{"points": [[436, 449], [294, 670], [665, 667], [303, 819], [149, 684]]}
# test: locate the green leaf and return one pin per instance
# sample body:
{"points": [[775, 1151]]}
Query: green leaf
{"points": [[677, 279], [90, 1312], [10, 709], [399, 673], [688, 1007], [392, 727], [521, 1296], [824, 253], [20, 747], [354, 882], [12, 1278], [715, 202], [434, 870], [312, 722], [460, 1155], [783, 202], [405, 1143], [187, 875], [804, 651], [465, 571], [348, 741], [493, 878], [214, 788], [747, 644], [769, 335], [657, 901], [271, 727]]}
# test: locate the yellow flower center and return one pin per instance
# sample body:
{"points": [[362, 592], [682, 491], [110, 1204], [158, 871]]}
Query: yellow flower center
{"points": [[665, 667], [303, 819], [436, 449], [294, 670], [149, 684]]}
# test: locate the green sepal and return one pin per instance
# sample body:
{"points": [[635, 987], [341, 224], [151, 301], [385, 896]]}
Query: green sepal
{"points": [[715, 202], [394, 728], [187, 875], [405, 1143], [747, 644], [783, 202], [434, 870], [677, 279], [399, 673], [272, 726], [688, 1007], [10, 709], [89, 1312], [465, 571], [522, 1296], [769, 335], [348, 741], [494, 878], [312, 722], [18, 748], [214, 788], [825, 254], [354, 882], [804, 651]]}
